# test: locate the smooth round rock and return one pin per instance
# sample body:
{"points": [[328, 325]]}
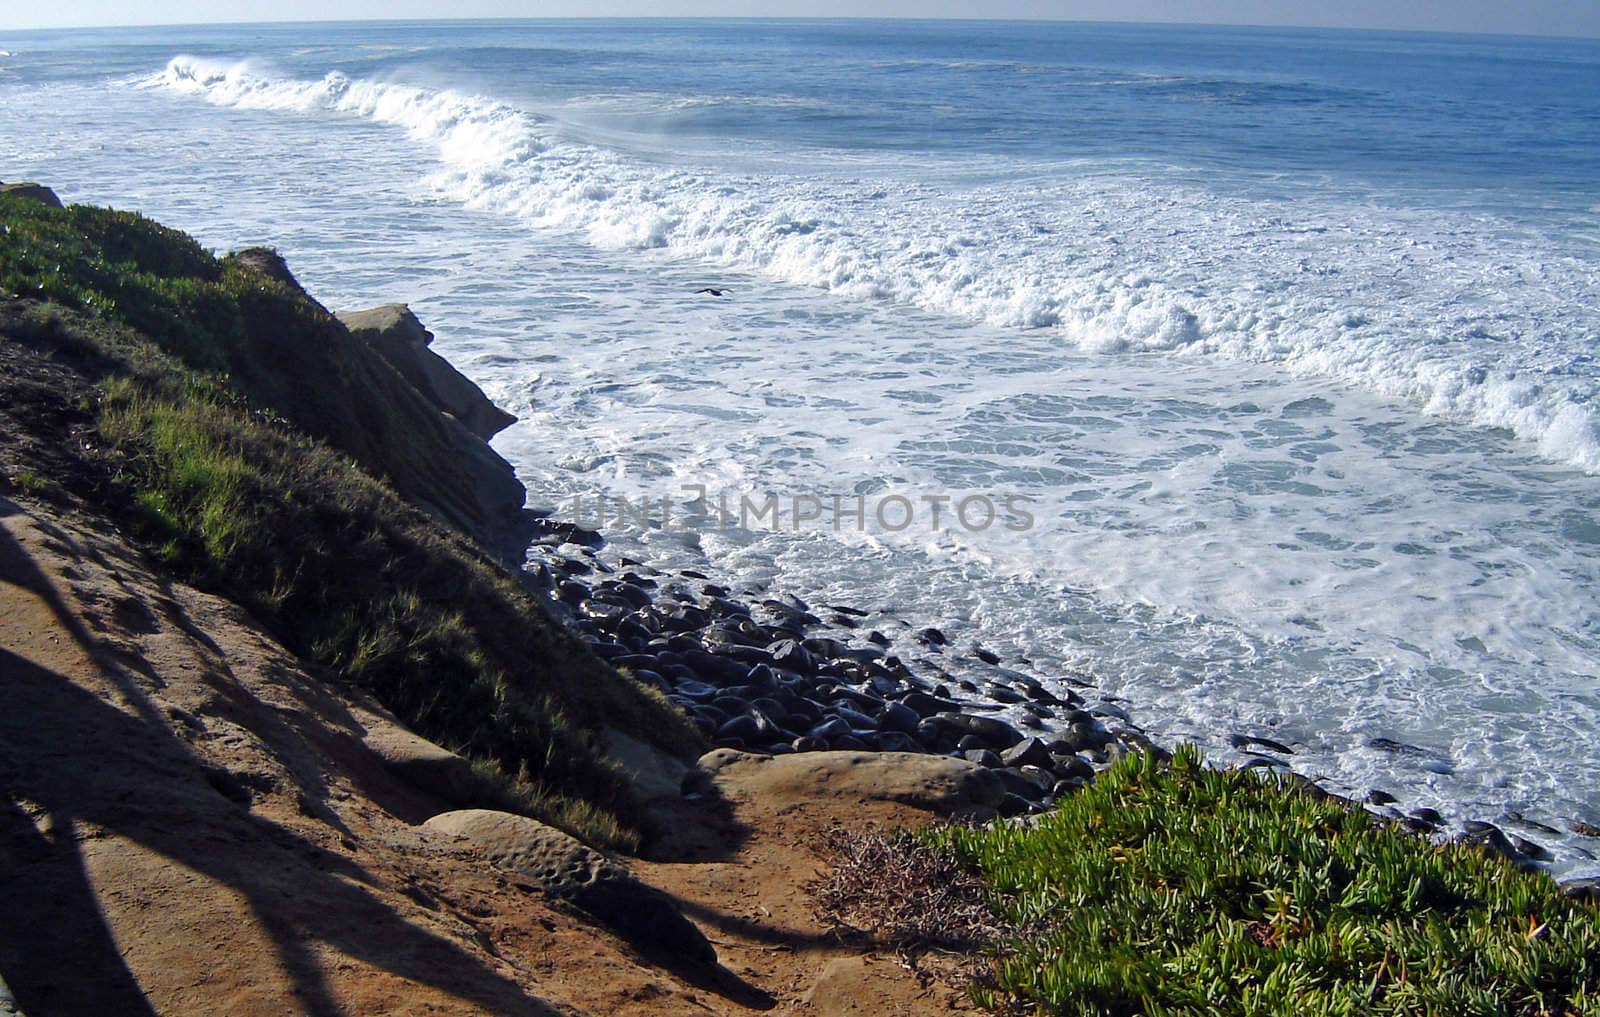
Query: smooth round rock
{"points": [[1028, 752], [899, 717]]}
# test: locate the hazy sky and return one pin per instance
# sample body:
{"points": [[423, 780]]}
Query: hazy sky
{"points": [[1531, 17]]}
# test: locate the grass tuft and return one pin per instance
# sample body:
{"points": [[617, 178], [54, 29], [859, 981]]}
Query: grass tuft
{"points": [[29, 482]]}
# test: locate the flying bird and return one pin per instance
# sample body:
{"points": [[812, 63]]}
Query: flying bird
{"points": [[713, 291]]}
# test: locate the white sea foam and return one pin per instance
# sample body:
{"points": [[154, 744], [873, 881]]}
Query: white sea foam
{"points": [[1464, 317], [1231, 550]]}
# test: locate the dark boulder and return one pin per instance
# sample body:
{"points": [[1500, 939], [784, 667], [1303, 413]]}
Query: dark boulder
{"points": [[994, 733], [1029, 752], [899, 717]]}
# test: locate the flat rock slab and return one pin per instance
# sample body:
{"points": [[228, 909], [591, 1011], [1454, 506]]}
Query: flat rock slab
{"points": [[560, 864], [654, 773], [566, 869], [417, 761], [940, 785]]}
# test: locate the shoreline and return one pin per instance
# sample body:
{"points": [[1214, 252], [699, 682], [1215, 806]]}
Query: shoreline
{"points": [[764, 671], [763, 674], [1256, 662], [774, 674]]}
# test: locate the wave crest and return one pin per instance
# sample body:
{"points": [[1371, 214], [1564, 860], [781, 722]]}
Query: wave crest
{"points": [[1409, 305]]}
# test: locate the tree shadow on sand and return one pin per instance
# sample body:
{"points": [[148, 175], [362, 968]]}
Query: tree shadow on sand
{"points": [[74, 765]]}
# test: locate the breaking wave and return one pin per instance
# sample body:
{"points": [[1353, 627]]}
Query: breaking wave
{"points": [[1463, 315]]}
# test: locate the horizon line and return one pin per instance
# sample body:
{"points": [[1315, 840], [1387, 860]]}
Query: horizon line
{"points": [[812, 18]]}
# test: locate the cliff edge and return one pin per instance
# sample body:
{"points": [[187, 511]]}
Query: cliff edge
{"points": [[280, 734]]}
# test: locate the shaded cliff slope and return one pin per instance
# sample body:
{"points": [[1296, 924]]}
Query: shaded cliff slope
{"points": [[238, 431]]}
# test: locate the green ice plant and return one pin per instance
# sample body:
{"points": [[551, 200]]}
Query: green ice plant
{"points": [[1177, 889]]}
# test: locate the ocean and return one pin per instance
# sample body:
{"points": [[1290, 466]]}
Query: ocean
{"points": [[1246, 375]]}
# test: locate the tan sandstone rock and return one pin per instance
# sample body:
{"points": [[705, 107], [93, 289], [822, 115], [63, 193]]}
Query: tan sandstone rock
{"points": [[566, 869], [415, 760], [654, 773], [396, 334], [938, 784]]}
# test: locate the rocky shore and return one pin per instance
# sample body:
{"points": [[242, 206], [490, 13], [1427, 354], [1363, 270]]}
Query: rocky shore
{"points": [[755, 669], [767, 672], [277, 735], [772, 676]]}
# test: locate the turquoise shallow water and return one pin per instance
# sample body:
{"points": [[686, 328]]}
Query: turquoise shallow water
{"points": [[1274, 351]]}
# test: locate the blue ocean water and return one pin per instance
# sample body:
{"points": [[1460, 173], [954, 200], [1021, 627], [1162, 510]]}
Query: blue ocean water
{"points": [[1271, 351]]}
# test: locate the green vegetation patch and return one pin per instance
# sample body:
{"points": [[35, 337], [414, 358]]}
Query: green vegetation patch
{"points": [[382, 596], [1169, 889], [206, 470], [124, 267], [257, 332]]}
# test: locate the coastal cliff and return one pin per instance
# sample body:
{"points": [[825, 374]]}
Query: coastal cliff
{"points": [[280, 732], [285, 729]]}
